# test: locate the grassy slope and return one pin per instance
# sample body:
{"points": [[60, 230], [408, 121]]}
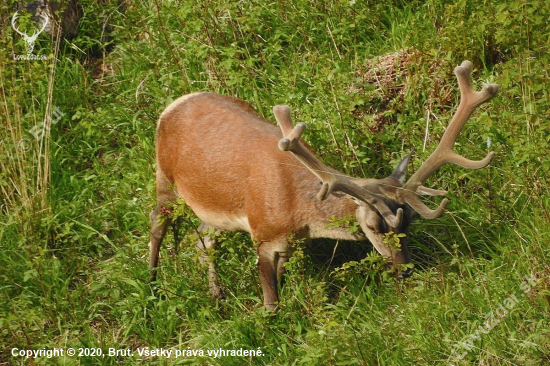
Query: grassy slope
{"points": [[73, 259]]}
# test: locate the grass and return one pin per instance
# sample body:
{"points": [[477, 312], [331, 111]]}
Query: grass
{"points": [[74, 206]]}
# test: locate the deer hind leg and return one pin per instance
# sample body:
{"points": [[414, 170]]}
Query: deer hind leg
{"points": [[159, 223], [271, 259], [207, 239]]}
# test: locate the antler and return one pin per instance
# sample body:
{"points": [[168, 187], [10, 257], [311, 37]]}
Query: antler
{"points": [[331, 179], [29, 40], [35, 33], [13, 20], [469, 101]]}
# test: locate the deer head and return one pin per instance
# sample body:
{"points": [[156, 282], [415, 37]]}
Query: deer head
{"points": [[376, 198], [379, 209], [29, 40], [233, 169]]}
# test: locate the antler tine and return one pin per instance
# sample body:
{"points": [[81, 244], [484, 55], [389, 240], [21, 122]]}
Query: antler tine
{"points": [[331, 179], [291, 142], [36, 33], [469, 101], [47, 20], [13, 20]]}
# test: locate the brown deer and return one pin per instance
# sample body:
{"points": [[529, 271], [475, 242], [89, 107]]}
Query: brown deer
{"points": [[230, 166]]}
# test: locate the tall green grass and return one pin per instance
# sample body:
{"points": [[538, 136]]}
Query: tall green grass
{"points": [[74, 206]]}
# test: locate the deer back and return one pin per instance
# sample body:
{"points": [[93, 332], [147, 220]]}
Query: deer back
{"points": [[224, 160]]}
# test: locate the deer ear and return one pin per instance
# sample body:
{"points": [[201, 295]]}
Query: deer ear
{"points": [[400, 172]]}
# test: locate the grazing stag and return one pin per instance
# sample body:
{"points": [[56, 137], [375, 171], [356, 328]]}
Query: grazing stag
{"points": [[231, 167]]}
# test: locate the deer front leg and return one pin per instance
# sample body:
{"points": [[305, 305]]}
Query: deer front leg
{"points": [[159, 222], [271, 259], [207, 240], [158, 231]]}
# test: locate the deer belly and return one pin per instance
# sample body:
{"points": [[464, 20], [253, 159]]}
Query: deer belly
{"points": [[222, 220]]}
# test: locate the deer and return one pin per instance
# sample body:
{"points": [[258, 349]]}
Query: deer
{"points": [[233, 168]]}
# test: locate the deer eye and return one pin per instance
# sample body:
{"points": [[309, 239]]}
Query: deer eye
{"points": [[372, 228]]}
